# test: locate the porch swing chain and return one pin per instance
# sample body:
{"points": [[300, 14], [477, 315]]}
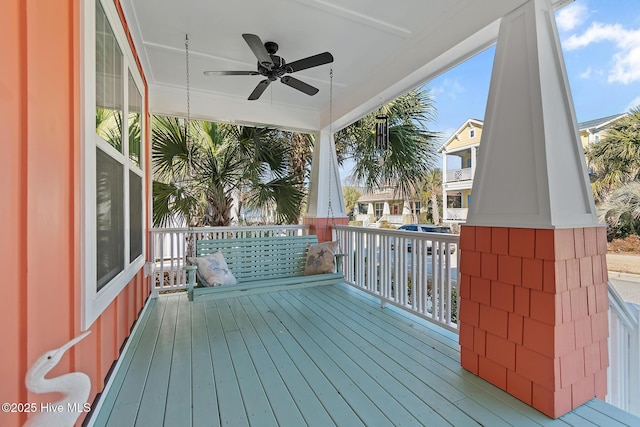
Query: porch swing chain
{"points": [[331, 151], [192, 237], [188, 123]]}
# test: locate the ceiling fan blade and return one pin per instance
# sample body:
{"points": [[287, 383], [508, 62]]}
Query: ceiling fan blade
{"points": [[231, 73], [259, 89], [300, 85], [311, 61], [258, 49]]}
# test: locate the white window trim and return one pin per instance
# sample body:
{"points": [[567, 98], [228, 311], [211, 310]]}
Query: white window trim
{"points": [[94, 302]]}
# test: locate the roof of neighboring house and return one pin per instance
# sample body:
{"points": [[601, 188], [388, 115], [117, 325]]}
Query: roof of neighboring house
{"points": [[601, 122], [379, 197], [589, 124], [468, 122]]}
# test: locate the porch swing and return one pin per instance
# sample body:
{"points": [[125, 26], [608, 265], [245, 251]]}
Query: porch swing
{"points": [[239, 266]]}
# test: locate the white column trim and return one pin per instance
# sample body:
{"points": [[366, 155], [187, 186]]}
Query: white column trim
{"points": [[324, 182], [531, 170]]}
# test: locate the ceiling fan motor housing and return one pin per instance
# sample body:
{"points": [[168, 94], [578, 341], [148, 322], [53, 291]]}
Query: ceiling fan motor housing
{"points": [[279, 68]]}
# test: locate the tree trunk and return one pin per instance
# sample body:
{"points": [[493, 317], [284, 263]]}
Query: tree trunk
{"points": [[435, 210], [219, 209]]}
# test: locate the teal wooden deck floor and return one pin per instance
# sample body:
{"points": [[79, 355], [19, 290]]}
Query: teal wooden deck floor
{"points": [[319, 356]]}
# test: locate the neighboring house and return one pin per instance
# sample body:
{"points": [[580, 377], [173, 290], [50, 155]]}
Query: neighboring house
{"points": [[460, 153], [594, 130], [459, 157], [385, 205]]}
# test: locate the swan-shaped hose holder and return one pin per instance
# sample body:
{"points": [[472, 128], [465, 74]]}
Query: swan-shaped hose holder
{"points": [[74, 387]]}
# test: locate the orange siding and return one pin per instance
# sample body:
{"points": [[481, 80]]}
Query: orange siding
{"points": [[12, 249], [41, 214]]}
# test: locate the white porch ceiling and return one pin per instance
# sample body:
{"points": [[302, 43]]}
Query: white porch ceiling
{"points": [[381, 48]]}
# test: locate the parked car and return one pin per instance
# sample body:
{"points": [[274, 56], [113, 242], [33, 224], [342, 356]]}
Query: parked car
{"points": [[426, 228]]}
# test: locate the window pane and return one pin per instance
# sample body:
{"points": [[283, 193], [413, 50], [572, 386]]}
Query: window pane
{"points": [[109, 82], [379, 208], [135, 216], [135, 113], [109, 218]]}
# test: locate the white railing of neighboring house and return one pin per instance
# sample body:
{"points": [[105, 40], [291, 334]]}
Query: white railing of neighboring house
{"points": [[171, 246], [623, 375], [399, 268], [455, 214], [459, 175], [394, 219]]}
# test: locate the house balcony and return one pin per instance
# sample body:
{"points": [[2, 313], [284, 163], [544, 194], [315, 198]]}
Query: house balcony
{"points": [[455, 214], [380, 349], [457, 175]]}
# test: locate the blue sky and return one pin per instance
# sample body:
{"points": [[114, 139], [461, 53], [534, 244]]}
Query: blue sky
{"points": [[601, 46]]}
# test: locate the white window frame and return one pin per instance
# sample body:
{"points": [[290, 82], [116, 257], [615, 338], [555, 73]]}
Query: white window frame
{"points": [[94, 302], [472, 132], [376, 210]]}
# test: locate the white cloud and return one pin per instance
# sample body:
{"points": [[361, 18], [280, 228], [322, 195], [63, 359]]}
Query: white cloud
{"points": [[626, 58], [633, 104], [571, 16], [586, 73], [449, 88]]}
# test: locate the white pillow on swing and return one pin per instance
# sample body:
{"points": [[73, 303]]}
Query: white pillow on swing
{"points": [[214, 269]]}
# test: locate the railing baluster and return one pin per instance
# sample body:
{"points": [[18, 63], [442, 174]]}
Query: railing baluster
{"points": [[376, 268]]}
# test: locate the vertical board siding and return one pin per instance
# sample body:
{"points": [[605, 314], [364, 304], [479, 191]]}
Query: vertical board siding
{"points": [[41, 250], [12, 249]]}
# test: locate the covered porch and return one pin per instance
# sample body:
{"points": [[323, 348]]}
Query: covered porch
{"points": [[321, 355]]}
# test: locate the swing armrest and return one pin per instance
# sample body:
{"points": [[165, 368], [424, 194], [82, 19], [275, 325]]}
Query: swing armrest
{"points": [[191, 279], [339, 258]]}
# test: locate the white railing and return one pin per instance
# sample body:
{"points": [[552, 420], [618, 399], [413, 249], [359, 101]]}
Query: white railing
{"points": [[412, 270], [171, 246], [394, 219], [459, 175], [623, 375], [455, 214]]}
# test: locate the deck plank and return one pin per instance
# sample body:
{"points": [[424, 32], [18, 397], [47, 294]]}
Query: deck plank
{"points": [[282, 402], [154, 398], [126, 359], [127, 402], [333, 393], [318, 356], [368, 401], [230, 406], [390, 368], [417, 346], [205, 397], [620, 415], [312, 392], [178, 413], [255, 399]]}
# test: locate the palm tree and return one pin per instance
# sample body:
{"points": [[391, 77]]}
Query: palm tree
{"points": [[201, 168], [432, 188], [615, 159], [621, 210], [411, 150]]}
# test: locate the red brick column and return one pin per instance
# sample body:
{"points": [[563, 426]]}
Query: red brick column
{"points": [[321, 227], [533, 313]]}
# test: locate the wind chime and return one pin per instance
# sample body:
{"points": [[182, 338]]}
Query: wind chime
{"points": [[382, 132]]}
